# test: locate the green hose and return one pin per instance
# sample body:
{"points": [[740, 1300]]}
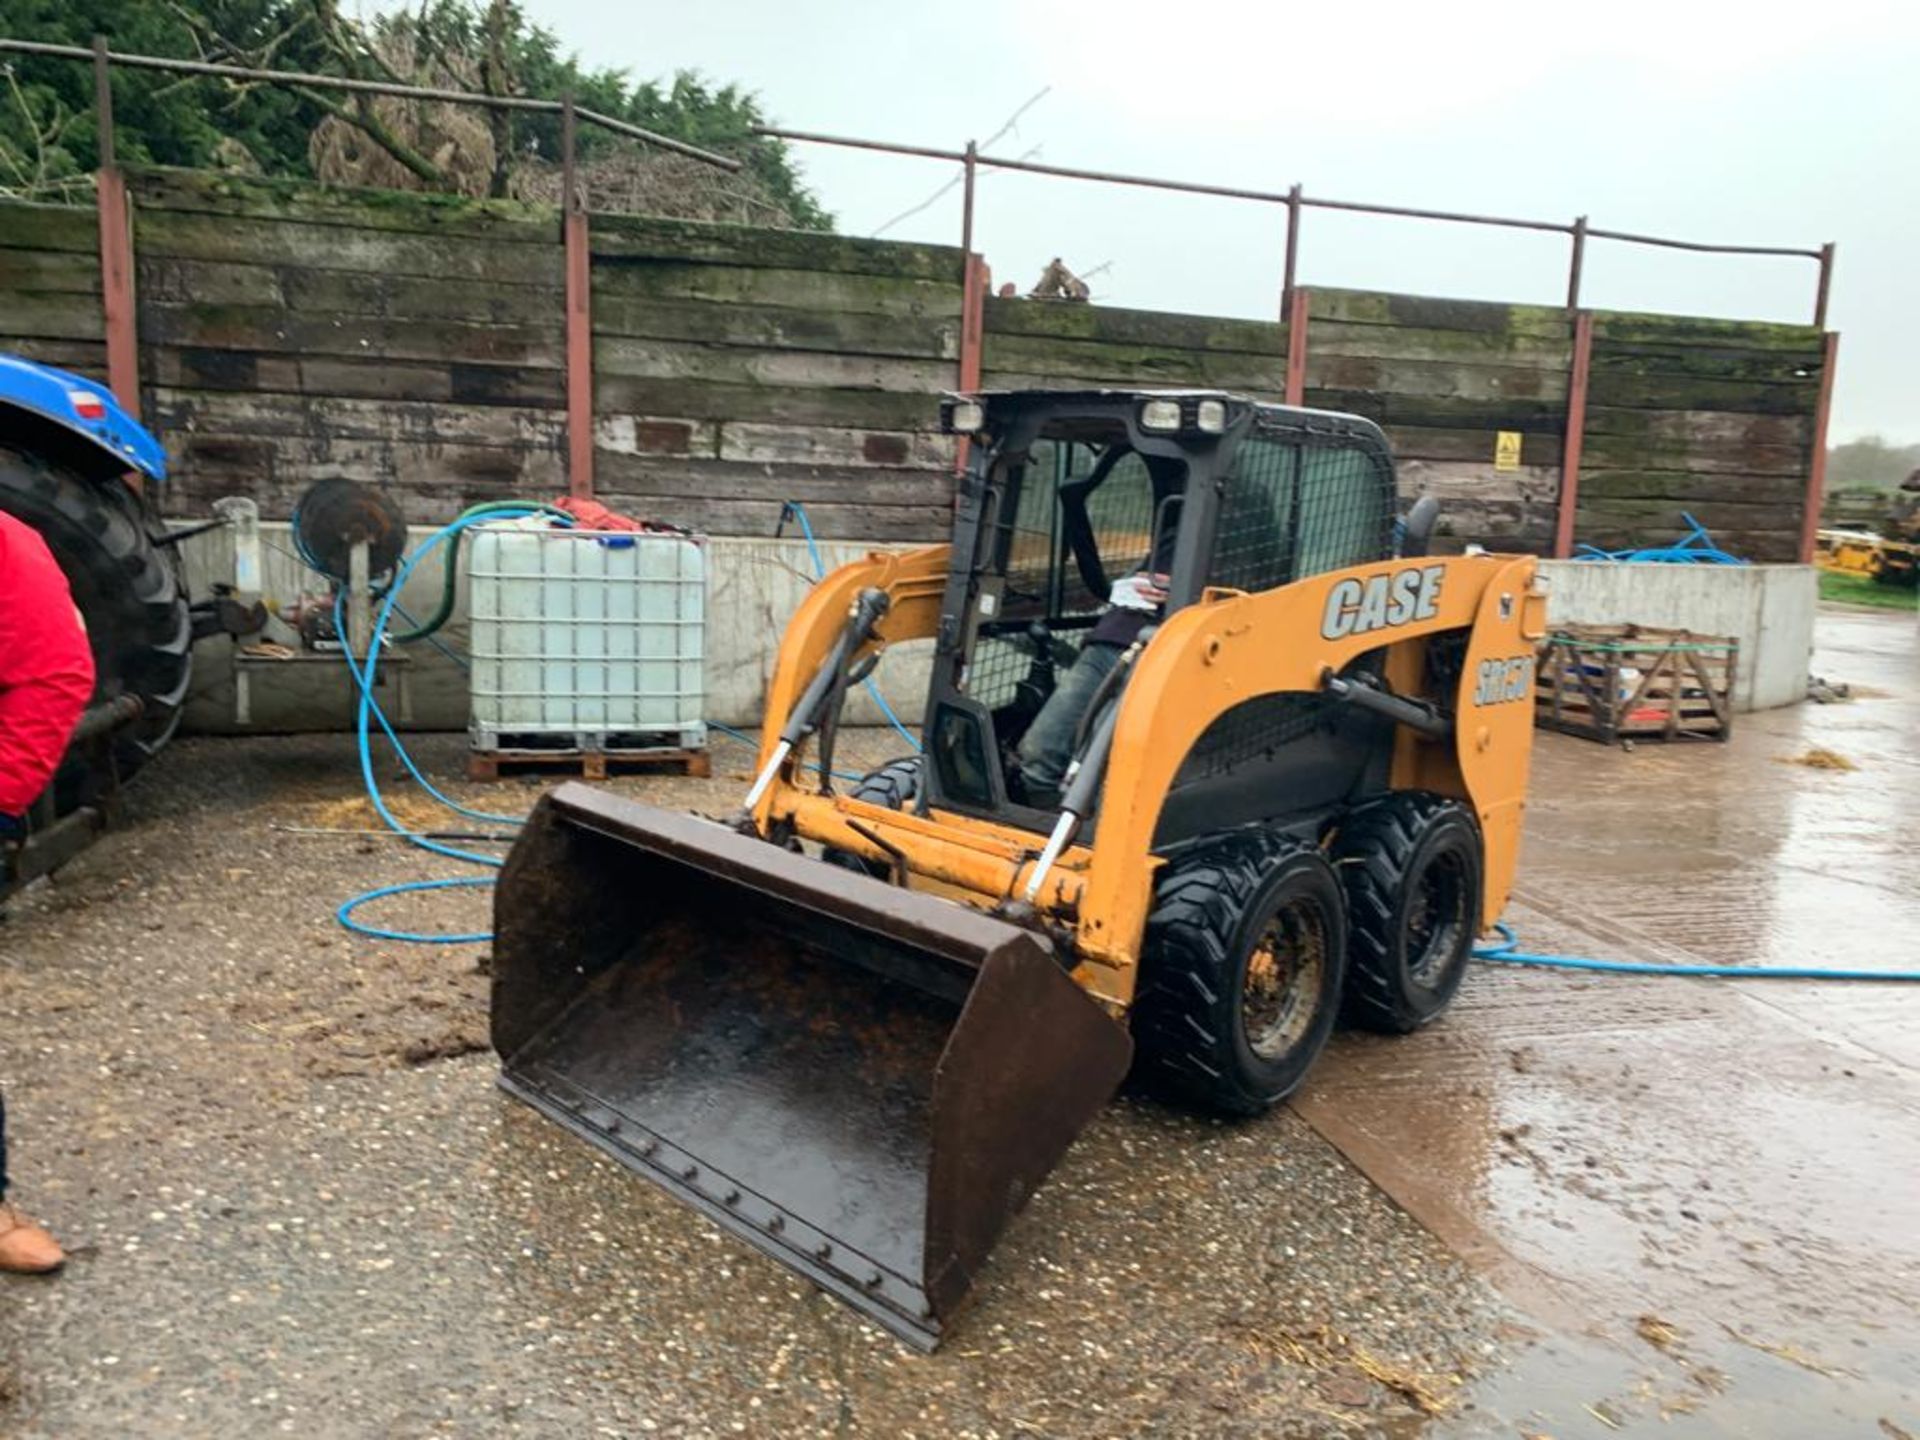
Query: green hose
{"points": [[451, 571]]}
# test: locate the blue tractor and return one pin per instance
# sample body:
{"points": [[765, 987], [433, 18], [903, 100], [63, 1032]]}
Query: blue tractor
{"points": [[69, 458]]}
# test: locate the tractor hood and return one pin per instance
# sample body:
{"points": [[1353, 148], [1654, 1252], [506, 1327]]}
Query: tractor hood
{"points": [[84, 408]]}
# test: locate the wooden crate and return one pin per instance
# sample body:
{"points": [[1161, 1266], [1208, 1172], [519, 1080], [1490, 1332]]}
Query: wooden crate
{"points": [[1617, 683]]}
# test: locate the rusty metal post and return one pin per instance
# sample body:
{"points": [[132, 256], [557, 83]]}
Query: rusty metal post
{"points": [[1817, 468], [1576, 435], [969, 173], [1293, 251], [1826, 284], [1579, 263], [1298, 305], [579, 267], [116, 247], [973, 296]]}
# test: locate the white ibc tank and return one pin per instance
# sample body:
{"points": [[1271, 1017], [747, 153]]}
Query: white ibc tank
{"points": [[598, 635]]}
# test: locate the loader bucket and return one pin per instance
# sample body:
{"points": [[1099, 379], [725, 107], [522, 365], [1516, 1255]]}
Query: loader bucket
{"points": [[863, 1082]]}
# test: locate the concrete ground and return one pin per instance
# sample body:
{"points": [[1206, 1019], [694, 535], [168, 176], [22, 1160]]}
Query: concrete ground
{"points": [[1581, 1205]]}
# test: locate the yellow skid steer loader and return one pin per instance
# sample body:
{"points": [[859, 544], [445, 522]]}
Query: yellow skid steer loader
{"points": [[1214, 750]]}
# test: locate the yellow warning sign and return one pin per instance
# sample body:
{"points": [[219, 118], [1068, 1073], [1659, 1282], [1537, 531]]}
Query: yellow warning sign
{"points": [[1506, 450]]}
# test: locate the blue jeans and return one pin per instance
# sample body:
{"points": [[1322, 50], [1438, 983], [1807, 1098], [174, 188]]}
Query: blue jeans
{"points": [[1047, 747]]}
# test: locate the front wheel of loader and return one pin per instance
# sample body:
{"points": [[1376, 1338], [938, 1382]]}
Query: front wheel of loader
{"points": [[894, 786], [1412, 868], [1240, 977]]}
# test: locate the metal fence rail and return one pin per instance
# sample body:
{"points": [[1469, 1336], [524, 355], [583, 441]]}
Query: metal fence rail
{"points": [[1295, 198]]}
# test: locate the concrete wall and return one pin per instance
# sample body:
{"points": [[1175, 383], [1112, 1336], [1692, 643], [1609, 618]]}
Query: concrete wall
{"points": [[1769, 609], [754, 585]]}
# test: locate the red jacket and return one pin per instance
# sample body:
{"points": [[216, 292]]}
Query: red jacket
{"points": [[46, 665]]}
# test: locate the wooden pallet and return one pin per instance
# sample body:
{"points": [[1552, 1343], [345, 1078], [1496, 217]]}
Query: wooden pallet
{"points": [[587, 764], [1618, 683]]}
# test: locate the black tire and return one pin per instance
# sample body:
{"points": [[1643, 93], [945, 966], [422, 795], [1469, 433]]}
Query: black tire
{"points": [[128, 590], [894, 786], [1199, 1018], [1412, 866]]}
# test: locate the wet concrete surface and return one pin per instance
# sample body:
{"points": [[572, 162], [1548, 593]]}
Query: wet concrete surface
{"points": [[1708, 1190], [300, 1206]]}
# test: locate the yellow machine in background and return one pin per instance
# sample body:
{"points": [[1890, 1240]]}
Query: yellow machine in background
{"points": [[858, 1029]]}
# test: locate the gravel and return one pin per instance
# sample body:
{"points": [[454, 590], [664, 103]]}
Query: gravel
{"points": [[298, 1204]]}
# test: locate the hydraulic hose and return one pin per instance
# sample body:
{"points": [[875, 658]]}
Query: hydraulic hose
{"points": [[799, 513]]}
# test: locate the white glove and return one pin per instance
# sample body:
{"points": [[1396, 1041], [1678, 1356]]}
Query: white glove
{"points": [[1139, 591]]}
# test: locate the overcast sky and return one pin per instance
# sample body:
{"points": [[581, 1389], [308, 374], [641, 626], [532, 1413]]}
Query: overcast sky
{"points": [[1753, 123]]}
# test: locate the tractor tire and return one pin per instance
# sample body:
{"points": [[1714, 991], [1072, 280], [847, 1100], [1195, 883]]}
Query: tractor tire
{"points": [[129, 592], [1225, 1017], [1412, 866], [894, 786]]}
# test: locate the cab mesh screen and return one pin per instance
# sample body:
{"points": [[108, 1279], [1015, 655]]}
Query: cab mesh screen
{"points": [[1296, 505]]}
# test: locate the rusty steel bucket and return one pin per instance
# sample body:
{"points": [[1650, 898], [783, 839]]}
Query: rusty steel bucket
{"points": [[862, 1082]]}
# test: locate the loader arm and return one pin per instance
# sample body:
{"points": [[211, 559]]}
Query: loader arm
{"points": [[914, 582], [1213, 656]]}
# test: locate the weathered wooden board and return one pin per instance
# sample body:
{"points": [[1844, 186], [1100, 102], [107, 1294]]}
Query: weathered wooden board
{"points": [[778, 327], [797, 404], [1426, 312], [1157, 329], [1415, 342], [209, 368], [52, 317], [271, 329], [431, 482], [83, 357], [49, 227], [1599, 488], [1635, 328], [166, 280], [831, 520], [744, 365], [778, 286], [1417, 442], [694, 479], [1443, 412], [1679, 392], [1438, 379], [408, 211], [47, 271], [1706, 362], [646, 237], [771, 445], [1138, 365], [244, 240], [426, 422]]}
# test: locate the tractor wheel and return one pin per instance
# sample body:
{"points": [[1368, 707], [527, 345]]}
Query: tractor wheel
{"points": [[1240, 975], [128, 591], [894, 786], [1412, 867]]}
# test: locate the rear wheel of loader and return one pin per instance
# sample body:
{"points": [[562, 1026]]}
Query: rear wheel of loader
{"points": [[894, 786], [128, 591], [1412, 869], [1240, 978]]}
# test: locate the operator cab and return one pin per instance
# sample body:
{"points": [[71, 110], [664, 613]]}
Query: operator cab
{"points": [[1066, 493]]}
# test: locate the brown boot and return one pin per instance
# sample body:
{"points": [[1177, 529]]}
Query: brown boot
{"points": [[25, 1248]]}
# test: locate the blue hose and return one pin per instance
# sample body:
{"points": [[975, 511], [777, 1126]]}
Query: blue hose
{"points": [[369, 709], [799, 513], [1507, 952]]}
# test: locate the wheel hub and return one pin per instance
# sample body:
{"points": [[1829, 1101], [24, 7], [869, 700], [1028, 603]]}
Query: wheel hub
{"points": [[1283, 980]]}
